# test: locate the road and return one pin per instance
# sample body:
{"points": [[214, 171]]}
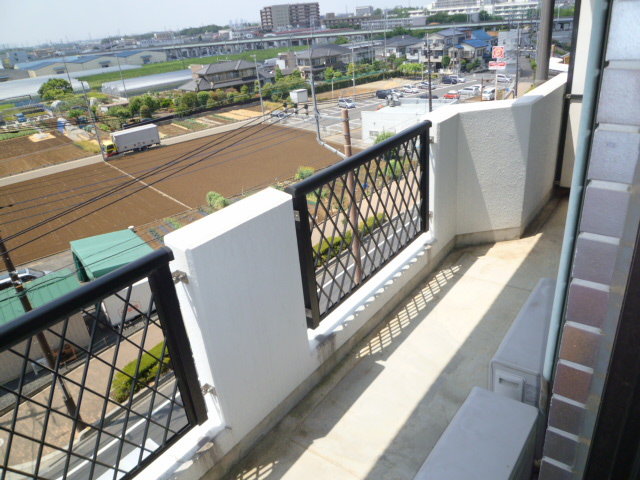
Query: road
{"points": [[336, 277], [108, 450]]}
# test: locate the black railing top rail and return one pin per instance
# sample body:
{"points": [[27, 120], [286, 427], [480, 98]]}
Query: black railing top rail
{"points": [[47, 315], [321, 178]]}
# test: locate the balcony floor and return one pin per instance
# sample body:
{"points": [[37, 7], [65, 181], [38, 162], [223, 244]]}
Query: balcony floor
{"points": [[379, 414]]}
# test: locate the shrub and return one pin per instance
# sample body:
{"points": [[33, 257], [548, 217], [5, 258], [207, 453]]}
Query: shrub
{"points": [[333, 246], [216, 201], [303, 172], [147, 372]]}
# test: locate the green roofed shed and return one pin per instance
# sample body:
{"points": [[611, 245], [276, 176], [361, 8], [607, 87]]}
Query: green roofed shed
{"points": [[40, 291], [99, 255]]}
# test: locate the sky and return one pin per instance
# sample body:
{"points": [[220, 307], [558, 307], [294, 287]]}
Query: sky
{"points": [[32, 22]]}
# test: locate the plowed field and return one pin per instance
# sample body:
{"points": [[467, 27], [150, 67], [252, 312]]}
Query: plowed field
{"points": [[228, 163], [22, 154]]}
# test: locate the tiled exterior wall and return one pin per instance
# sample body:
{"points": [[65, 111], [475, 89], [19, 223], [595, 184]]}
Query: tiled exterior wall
{"points": [[608, 227]]}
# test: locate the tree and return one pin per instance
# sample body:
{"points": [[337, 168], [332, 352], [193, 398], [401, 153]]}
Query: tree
{"points": [[397, 31], [54, 88], [382, 137], [244, 90], [203, 98], [341, 40], [75, 113], [216, 201], [446, 60], [410, 68], [145, 112], [329, 73], [351, 69], [296, 74], [123, 113], [189, 100], [279, 75], [151, 102], [134, 105]]}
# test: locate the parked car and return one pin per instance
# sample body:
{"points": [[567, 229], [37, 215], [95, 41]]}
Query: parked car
{"points": [[280, 114], [458, 79], [449, 81], [489, 93], [25, 274], [425, 85], [452, 94], [410, 90], [471, 91], [383, 93], [397, 92], [346, 103], [503, 78]]}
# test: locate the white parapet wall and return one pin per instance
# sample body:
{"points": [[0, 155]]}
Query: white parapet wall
{"points": [[494, 164]]}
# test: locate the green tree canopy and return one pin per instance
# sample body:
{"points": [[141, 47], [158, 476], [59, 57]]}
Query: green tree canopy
{"points": [[329, 73], [341, 40], [134, 105], [279, 75], [54, 88], [446, 60]]}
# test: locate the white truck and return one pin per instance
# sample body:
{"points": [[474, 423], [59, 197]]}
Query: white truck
{"points": [[133, 139]]}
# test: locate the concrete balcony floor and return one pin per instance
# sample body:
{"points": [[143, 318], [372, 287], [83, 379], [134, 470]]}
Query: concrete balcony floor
{"points": [[379, 414]]}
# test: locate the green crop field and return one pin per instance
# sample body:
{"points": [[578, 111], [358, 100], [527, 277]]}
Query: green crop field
{"points": [[96, 81]]}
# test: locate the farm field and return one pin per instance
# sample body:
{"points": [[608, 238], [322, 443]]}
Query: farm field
{"points": [[23, 153], [229, 163]]}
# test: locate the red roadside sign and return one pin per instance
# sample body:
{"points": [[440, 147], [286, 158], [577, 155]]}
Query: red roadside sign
{"points": [[497, 65], [497, 52]]}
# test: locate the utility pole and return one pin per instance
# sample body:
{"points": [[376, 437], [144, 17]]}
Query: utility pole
{"points": [[429, 72], [124, 88], [255, 60], [353, 212], [40, 338], [515, 93], [544, 42]]}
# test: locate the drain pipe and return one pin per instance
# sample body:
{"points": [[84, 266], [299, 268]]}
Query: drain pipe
{"points": [[593, 76], [316, 112], [316, 115]]}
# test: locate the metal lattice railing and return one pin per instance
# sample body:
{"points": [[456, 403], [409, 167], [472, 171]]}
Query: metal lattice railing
{"points": [[355, 216], [97, 396]]}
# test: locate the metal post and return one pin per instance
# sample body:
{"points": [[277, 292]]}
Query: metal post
{"points": [[255, 60], [42, 341], [353, 212]]}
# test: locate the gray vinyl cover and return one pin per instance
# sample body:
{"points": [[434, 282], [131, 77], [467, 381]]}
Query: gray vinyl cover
{"points": [[491, 437]]}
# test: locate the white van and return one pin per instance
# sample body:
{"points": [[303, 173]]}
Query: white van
{"points": [[489, 93]]}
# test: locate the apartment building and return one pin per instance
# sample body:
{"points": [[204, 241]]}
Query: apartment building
{"points": [[278, 17]]}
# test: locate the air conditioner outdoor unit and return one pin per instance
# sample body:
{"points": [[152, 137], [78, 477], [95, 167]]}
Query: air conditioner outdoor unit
{"points": [[516, 369], [490, 437]]}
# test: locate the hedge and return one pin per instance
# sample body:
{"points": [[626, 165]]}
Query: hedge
{"points": [[149, 364], [332, 246]]}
